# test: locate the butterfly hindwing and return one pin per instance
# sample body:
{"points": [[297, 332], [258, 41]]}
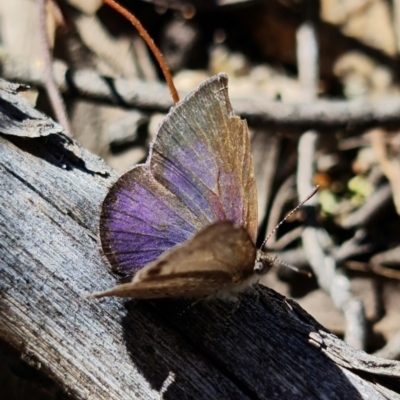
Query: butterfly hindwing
{"points": [[140, 219]]}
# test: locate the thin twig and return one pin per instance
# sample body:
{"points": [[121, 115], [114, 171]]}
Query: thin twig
{"points": [[368, 212], [307, 54], [352, 247], [324, 265], [278, 203], [391, 350], [298, 256], [56, 100], [287, 216], [143, 33], [288, 238], [371, 269], [265, 148], [396, 22], [389, 257], [390, 167]]}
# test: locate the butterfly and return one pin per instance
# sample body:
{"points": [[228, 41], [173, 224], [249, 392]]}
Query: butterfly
{"points": [[184, 223]]}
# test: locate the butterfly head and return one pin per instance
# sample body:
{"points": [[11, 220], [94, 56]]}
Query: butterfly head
{"points": [[263, 263]]}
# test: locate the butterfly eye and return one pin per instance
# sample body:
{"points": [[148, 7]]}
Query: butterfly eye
{"points": [[259, 268], [263, 263]]}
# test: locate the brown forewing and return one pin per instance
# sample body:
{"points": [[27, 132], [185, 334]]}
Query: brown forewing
{"points": [[218, 258]]}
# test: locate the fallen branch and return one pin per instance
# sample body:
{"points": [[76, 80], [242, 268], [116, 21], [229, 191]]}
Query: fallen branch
{"points": [[316, 114]]}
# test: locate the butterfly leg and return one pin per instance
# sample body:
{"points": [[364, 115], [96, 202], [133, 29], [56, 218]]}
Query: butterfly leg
{"points": [[235, 306], [232, 313], [191, 305], [254, 293], [257, 294]]}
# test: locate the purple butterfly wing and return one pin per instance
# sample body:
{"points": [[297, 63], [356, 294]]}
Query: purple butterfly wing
{"points": [[199, 171]]}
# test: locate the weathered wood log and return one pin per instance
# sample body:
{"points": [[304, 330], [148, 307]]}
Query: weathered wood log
{"points": [[50, 195]]}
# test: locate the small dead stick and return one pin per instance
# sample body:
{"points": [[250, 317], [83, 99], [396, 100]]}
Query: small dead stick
{"points": [[389, 167], [55, 98], [311, 194], [150, 42]]}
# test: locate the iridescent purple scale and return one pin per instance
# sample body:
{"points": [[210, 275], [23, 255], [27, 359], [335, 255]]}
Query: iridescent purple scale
{"points": [[179, 178], [136, 221], [197, 142]]}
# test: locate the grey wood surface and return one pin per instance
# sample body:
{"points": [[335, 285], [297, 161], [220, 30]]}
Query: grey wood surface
{"points": [[18, 117], [50, 195]]}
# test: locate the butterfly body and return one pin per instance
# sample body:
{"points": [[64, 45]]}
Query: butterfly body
{"points": [[184, 223]]}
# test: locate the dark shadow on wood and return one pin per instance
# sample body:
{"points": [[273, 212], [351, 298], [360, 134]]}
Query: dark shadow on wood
{"points": [[21, 381], [244, 351], [55, 150]]}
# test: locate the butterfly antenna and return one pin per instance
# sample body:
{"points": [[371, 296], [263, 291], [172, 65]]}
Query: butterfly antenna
{"points": [[293, 268], [311, 194], [150, 42]]}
